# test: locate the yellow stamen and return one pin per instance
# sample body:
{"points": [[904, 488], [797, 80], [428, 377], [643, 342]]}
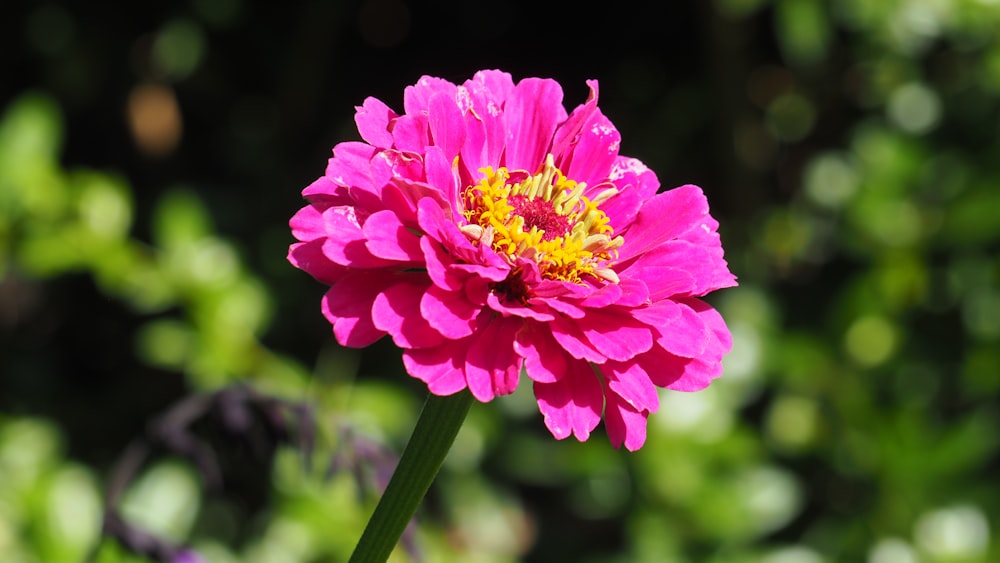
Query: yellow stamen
{"points": [[545, 218]]}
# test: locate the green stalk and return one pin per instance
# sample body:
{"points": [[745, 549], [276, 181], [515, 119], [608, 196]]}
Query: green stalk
{"points": [[432, 437]]}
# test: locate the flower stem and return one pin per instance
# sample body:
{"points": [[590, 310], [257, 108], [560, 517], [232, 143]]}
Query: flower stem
{"points": [[432, 437]]}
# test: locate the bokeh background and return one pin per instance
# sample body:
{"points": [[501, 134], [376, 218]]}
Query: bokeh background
{"points": [[152, 153]]}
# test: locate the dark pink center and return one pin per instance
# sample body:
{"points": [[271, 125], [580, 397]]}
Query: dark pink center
{"points": [[539, 213]]}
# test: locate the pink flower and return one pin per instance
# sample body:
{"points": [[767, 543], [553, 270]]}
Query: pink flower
{"points": [[488, 232]]}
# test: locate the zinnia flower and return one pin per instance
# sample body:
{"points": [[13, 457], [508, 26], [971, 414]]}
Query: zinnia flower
{"points": [[489, 234]]}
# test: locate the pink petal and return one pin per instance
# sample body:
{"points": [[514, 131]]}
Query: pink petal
{"points": [[634, 293], [447, 124], [345, 243], [615, 334], [441, 176], [573, 404], [488, 92], [492, 367], [703, 263], [349, 166], [433, 223], [661, 281], [387, 238], [513, 307], [309, 257], [438, 367], [533, 110], [325, 193], [348, 307], [661, 367], [449, 312], [622, 208], [631, 383], [417, 98], [698, 374], [497, 83], [686, 335], [723, 339], [391, 165], [308, 224], [544, 360], [603, 297], [438, 262], [569, 130], [474, 151], [664, 217], [396, 310], [410, 133], [372, 119], [594, 152], [624, 424], [571, 339], [627, 171]]}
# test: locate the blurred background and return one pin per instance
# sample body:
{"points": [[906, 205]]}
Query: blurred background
{"points": [[152, 154]]}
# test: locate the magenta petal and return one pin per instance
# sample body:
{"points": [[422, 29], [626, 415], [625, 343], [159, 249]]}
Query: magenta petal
{"points": [[447, 124], [324, 192], [396, 310], [438, 367], [441, 175], [509, 307], [372, 119], [433, 223], [595, 151], [474, 150], [607, 295], [573, 404], [499, 84], [634, 293], [438, 262], [662, 282], [488, 92], [714, 321], [661, 367], [533, 111], [417, 98], [616, 335], [449, 312], [492, 367], [687, 335], [679, 267], [571, 339], [389, 166], [628, 171], [544, 360], [698, 374], [625, 424], [349, 166], [666, 216], [309, 257], [387, 238], [569, 130], [622, 208], [630, 382], [308, 224], [348, 307], [410, 133], [345, 243]]}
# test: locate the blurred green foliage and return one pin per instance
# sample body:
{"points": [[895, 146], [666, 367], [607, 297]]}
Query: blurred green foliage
{"points": [[858, 191]]}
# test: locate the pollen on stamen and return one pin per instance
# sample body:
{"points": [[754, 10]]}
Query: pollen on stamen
{"points": [[545, 218]]}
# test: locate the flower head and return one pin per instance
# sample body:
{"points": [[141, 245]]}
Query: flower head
{"points": [[488, 232]]}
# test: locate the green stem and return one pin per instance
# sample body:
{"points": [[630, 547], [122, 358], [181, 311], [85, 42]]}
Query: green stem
{"points": [[432, 437]]}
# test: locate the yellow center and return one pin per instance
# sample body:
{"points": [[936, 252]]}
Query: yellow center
{"points": [[545, 218]]}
